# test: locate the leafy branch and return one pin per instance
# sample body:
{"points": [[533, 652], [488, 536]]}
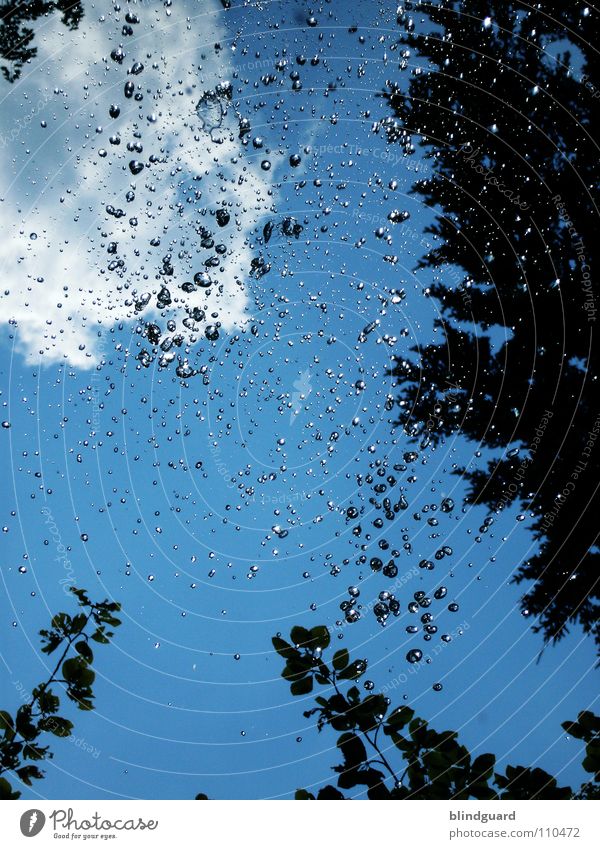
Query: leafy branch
{"points": [[432, 764], [69, 635]]}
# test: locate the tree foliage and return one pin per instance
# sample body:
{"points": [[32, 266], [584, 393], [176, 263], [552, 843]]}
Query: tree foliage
{"points": [[70, 637], [16, 37], [394, 754], [506, 129]]}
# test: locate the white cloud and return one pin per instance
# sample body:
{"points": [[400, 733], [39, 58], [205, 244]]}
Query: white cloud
{"points": [[56, 184]]}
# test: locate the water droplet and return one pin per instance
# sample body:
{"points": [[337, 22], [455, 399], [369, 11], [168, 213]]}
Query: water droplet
{"points": [[414, 655]]}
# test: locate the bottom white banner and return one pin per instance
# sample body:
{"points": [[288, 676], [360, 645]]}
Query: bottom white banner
{"points": [[287, 825]]}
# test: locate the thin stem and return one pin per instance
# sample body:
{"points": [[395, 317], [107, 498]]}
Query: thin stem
{"points": [[373, 743], [382, 756]]}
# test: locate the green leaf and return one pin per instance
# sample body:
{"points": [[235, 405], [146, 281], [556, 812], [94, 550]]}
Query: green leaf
{"points": [[400, 717], [417, 728], [353, 694], [370, 711], [299, 636], [302, 687], [6, 722], [26, 773], [397, 739], [591, 763], [98, 635], [337, 703], [87, 677], [482, 791], [354, 776], [437, 765], [530, 783], [282, 648], [320, 637], [24, 725], [82, 596], [296, 668], [303, 795], [33, 752], [76, 671], [483, 767], [341, 659], [78, 623], [379, 791], [6, 791], [110, 620], [71, 669], [589, 721], [341, 723], [62, 622], [353, 749], [353, 671], [56, 725], [85, 651], [53, 640], [328, 792], [574, 730], [47, 701]]}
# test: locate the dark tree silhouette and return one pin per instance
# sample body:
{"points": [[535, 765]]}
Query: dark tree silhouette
{"points": [[19, 748], [16, 37], [506, 126]]}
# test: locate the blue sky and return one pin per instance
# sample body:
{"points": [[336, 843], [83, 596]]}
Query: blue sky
{"points": [[112, 449]]}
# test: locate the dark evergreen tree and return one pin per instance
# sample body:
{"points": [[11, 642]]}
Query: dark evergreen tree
{"points": [[503, 106]]}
